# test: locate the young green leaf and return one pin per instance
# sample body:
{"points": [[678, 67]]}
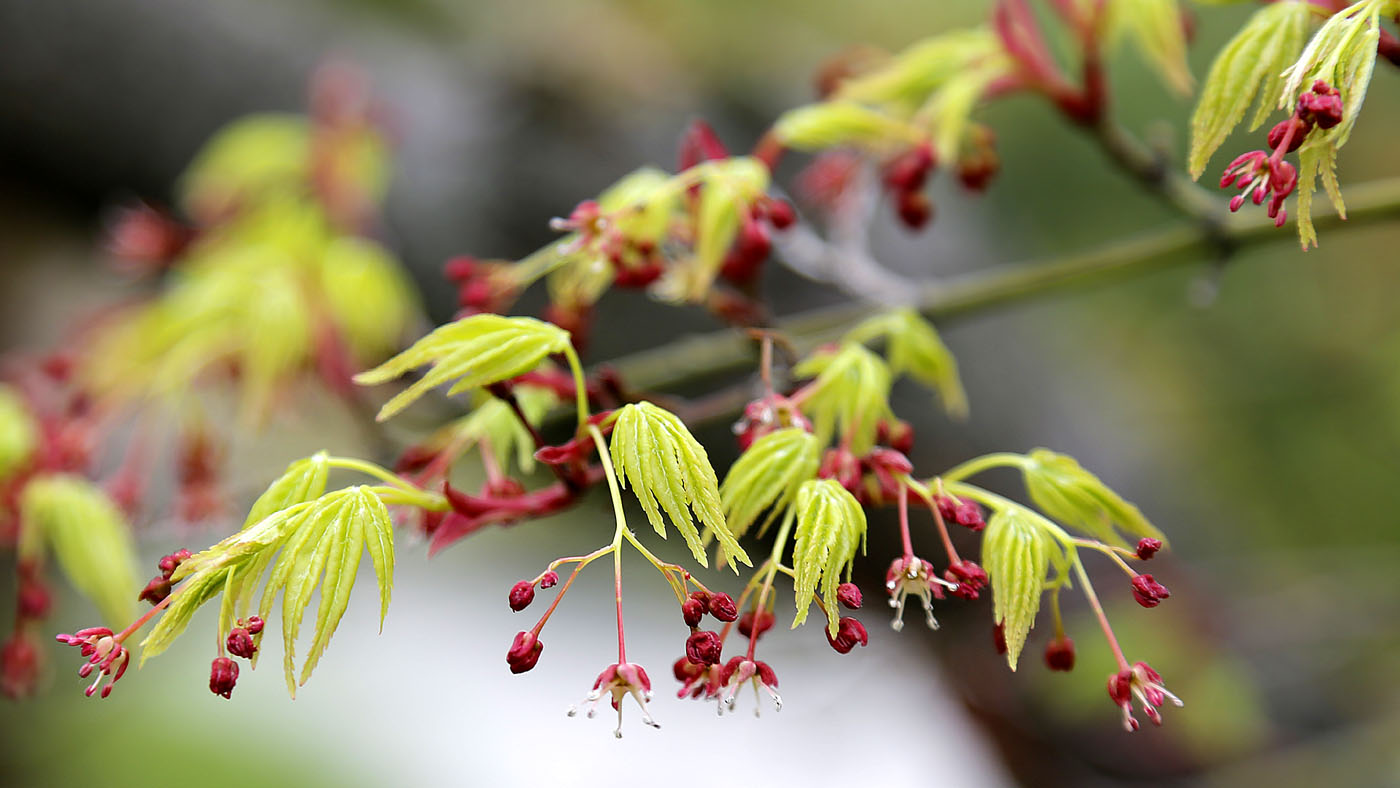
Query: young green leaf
{"points": [[915, 349], [18, 433], [850, 393], [833, 124], [1016, 553], [830, 528], [245, 159], [767, 476], [667, 469], [368, 295], [910, 77], [1249, 66], [475, 351], [1074, 496], [89, 537], [304, 480], [493, 421], [1156, 29]]}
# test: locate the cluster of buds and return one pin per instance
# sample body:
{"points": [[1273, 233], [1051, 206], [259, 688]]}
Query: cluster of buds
{"points": [[618, 681], [704, 647], [159, 587], [105, 655], [849, 631], [904, 178], [523, 593], [753, 243], [1266, 175], [963, 511], [20, 657], [242, 641]]}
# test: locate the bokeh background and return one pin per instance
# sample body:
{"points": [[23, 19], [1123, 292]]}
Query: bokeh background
{"points": [[1261, 430]]}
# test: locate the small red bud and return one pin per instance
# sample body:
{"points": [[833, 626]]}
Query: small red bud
{"points": [[549, 579], [1149, 592], [781, 214], [524, 652], [751, 626], [223, 675], [254, 625], [848, 594], [723, 608], [1280, 130], [1059, 654], [692, 610], [34, 599], [521, 595], [155, 591], [1148, 547], [240, 643], [908, 171], [703, 648], [849, 634], [914, 209], [170, 563]]}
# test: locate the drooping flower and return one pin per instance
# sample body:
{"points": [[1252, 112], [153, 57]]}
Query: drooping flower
{"points": [[741, 670], [620, 680], [104, 653], [915, 576], [1146, 684]]}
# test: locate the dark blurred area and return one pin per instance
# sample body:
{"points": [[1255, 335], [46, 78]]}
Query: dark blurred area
{"points": [[1260, 431]]}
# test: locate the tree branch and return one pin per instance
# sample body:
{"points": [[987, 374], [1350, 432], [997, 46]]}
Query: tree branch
{"points": [[694, 357]]}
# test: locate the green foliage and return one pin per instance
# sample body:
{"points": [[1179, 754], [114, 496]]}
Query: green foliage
{"points": [[669, 470], [1074, 496], [830, 527], [89, 537], [304, 480], [18, 433], [915, 349], [928, 91], [851, 392], [308, 545], [1342, 53], [833, 124], [767, 476], [474, 351], [368, 296], [494, 422], [1156, 30], [245, 160], [1016, 552], [1249, 66]]}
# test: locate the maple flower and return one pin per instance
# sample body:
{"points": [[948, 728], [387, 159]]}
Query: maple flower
{"points": [[105, 654], [618, 681], [740, 670], [1146, 684], [914, 576]]}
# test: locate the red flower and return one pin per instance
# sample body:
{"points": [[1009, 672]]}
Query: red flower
{"points": [[740, 670], [1146, 684], [105, 654], [223, 675], [1149, 592], [620, 680]]}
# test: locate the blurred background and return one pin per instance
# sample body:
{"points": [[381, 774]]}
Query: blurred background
{"points": [[1260, 431]]}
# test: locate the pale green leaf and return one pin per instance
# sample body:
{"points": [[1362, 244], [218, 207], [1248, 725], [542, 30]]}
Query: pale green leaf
{"points": [[474, 351], [18, 433], [369, 296], [304, 480], [668, 470], [767, 476], [832, 124], [915, 349], [830, 528], [244, 160], [1067, 492], [850, 394], [910, 77], [1016, 553], [89, 537], [1156, 31]]}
